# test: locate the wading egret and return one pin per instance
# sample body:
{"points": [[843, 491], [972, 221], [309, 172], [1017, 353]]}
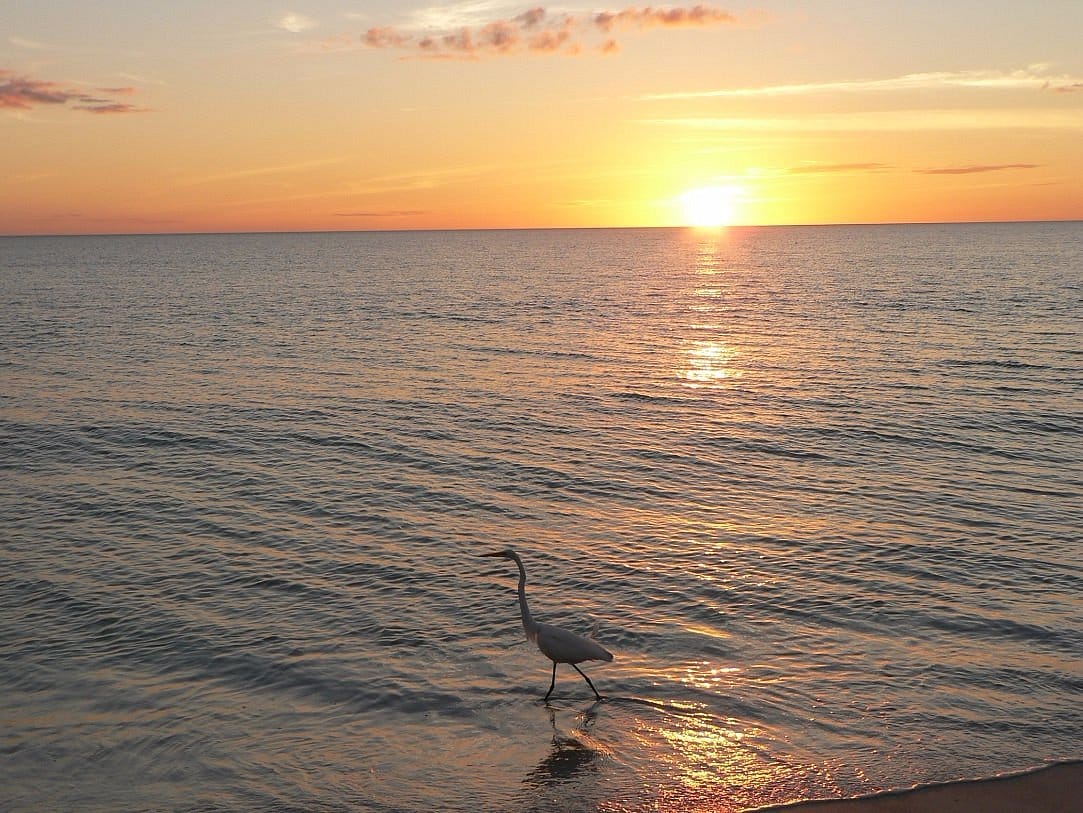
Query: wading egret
{"points": [[558, 645]]}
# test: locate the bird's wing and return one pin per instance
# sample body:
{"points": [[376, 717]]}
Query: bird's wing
{"points": [[562, 646]]}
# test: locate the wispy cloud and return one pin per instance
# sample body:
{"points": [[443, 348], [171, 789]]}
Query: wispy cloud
{"points": [[970, 169], [804, 169], [448, 16], [974, 170], [103, 107], [23, 93], [887, 121], [29, 177], [470, 31], [586, 203], [419, 180], [389, 213], [252, 172], [1033, 77], [22, 42], [293, 22]]}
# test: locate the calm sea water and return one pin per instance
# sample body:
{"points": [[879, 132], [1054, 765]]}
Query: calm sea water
{"points": [[819, 489]]}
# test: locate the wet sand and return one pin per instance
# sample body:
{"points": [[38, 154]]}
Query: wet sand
{"points": [[1053, 789]]}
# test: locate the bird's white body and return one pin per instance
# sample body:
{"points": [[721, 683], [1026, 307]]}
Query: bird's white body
{"points": [[561, 646], [557, 644]]}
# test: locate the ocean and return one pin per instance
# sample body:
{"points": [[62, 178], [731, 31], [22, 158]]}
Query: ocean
{"points": [[818, 489]]}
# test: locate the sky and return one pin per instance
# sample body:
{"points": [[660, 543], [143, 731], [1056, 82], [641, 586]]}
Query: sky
{"points": [[126, 116]]}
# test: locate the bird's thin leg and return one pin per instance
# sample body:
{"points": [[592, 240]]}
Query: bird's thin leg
{"points": [[553, 682], [587, 679]]}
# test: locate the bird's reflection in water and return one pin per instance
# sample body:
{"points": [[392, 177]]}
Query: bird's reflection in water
{"points": [[572, 754]]}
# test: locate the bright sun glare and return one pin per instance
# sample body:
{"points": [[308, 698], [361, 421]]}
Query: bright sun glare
{"points": [[709, 206]]}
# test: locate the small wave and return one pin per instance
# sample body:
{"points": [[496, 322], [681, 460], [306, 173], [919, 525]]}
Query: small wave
{"points": [[648, 398], [1005, 364]]}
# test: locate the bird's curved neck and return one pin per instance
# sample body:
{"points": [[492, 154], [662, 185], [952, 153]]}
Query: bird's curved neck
{"points": [[529, 627]]}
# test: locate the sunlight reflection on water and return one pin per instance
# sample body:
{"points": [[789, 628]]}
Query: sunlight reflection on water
{"points": [[710, 363], [813, 487]]}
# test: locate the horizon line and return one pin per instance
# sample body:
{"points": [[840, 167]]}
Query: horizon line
{"points": [[735, 226]]}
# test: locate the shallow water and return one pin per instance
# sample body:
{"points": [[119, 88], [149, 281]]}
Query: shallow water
{"points": [[818, 489]]}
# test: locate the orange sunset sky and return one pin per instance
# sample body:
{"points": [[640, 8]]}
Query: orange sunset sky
{"points": [[373, 114]]}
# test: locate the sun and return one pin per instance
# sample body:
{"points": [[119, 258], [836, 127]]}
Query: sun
{"points": [[709, 206]]}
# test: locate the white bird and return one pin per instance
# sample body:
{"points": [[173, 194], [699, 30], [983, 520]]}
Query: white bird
{"points": [[558, 645]]}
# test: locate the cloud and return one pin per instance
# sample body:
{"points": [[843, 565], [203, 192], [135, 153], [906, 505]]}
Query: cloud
{"points": [[22, 42], [816, 168], [109, 107], [385, 37], [461, 32], [294, 23], [532, 17], [974, 170], [649, 17], [22, 93], [252, 172], [876, 167], [1033, 77], [887, 121], [449, 16], [420, 179], [389, 213]]}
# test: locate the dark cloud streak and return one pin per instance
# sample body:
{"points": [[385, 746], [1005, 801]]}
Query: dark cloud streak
{"points": [[973, 170], [110, 108], [24, 93]]}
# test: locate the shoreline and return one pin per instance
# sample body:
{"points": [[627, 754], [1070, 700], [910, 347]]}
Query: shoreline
{"points": [[1054, 788]]}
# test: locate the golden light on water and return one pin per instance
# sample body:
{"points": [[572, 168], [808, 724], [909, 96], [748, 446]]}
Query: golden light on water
{"points": [[707, 676], [713, 764], [709, 363], [710, 360]]}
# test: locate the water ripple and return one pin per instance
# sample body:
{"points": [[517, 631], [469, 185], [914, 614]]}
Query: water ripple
{"points": [[818, 490]]}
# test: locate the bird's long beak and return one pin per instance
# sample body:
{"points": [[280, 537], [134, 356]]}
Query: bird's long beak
{"points": [[497, 553]]}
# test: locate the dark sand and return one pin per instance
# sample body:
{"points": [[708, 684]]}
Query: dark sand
{"points": [[1053, 789]]}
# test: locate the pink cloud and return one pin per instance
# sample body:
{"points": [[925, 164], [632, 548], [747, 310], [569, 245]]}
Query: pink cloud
{"points": [[531, 17], [384, 37], [647, 17], [110, 108], [22, 93], [550, 41], [502, 35], [537, 31]]}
